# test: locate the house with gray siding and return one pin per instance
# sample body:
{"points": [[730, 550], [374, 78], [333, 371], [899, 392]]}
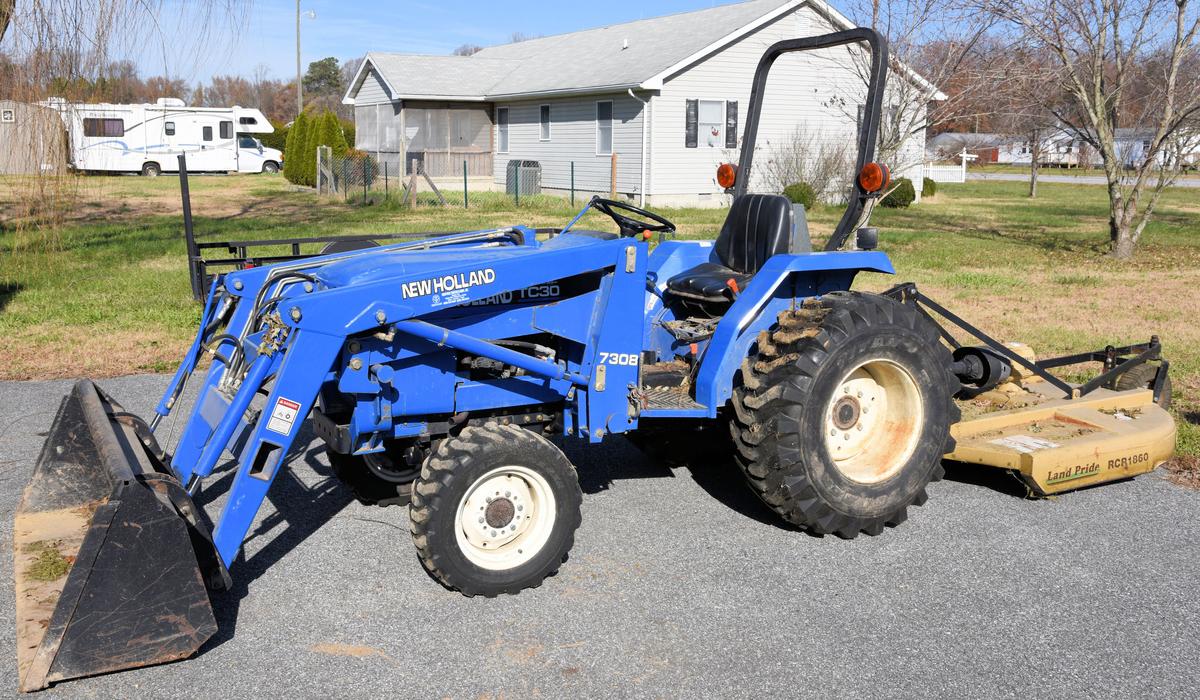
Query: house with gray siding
{"points": [[647, 109]]}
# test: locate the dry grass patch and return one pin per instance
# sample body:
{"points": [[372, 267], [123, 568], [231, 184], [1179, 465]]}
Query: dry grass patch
{"points": [[1184, 470]]}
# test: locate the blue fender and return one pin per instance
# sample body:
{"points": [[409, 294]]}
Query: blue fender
{"points": [[782, 284]]}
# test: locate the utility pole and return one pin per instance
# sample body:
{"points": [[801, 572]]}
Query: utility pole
{"points": [[299, 79], [299, 75]]}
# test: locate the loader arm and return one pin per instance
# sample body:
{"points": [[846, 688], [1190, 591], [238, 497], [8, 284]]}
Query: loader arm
{"points": [[293, 335]]}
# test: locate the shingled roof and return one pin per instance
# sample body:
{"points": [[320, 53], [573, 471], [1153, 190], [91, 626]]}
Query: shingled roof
{"points": [[637, 55]]}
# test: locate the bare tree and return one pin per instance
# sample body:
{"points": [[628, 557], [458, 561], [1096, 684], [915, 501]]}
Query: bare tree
{"points": [[6, 12], [933, 45], [467, 50], [80, 50], [1027, 99], [1105, 52]]}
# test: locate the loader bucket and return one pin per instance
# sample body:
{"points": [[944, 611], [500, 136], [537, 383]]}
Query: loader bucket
{"points": [[110, 561]]}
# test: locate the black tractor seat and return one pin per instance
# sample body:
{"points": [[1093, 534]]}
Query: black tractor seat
{"points": [[757, 227]]}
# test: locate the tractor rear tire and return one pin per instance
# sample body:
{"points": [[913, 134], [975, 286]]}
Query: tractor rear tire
{"points": [[383, 479], [806, 437], [495, 510]]}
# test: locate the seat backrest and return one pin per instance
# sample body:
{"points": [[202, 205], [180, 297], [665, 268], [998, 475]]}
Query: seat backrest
{"points": [[757, 227]]}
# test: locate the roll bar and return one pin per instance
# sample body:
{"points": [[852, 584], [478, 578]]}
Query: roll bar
{"points": [[867, 131]]}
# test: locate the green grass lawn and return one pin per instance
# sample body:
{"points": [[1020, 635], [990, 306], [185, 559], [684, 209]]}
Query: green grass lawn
{"points": [[107, 293], [998, 168]]}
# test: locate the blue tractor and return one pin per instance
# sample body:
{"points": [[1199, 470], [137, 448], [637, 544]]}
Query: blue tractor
{"points": [[446, 371]]}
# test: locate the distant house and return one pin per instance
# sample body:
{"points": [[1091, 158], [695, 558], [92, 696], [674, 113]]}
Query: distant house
{"points": [[647, 108], [1061, 147], [33, 139], [949, 145], [1058, 148]]}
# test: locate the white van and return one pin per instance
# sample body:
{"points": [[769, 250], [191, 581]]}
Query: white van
{"points": [[148, 138]]}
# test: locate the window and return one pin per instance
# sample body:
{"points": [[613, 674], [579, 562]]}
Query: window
{"points": [[248, 142], [226, 130], [502, 130], [8, 116], [711, 124], [169, 128], [604, 126], [544, 118], [710, 118], [247, 120], [103, 127], [208, 133]]}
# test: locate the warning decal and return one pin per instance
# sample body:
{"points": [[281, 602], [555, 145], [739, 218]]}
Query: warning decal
{"points": [[284, 416], [1025, 443]]}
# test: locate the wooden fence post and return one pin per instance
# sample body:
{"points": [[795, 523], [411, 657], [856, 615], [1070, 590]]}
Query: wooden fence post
{"points": [[612, 190]]}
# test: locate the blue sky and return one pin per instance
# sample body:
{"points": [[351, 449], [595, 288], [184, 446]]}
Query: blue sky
{"points": [[350, 28]]}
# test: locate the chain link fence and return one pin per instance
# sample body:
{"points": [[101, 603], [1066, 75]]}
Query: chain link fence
{"points": [[469, 179]]}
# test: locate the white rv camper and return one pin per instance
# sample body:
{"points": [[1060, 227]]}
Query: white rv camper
{"points": [[147, 138]]}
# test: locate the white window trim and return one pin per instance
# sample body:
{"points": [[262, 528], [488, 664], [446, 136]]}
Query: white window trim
{"points": [[508, 115], [549, 123], [724, 116], [612, 121]]}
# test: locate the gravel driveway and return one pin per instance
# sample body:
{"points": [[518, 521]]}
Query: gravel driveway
{"points": [[681, 585]]}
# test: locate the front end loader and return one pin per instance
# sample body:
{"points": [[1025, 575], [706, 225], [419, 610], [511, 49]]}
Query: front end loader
{"points": [[441, 373]]}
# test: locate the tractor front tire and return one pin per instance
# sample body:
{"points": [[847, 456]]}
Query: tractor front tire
{"points": [[844, 413], [495, 510]]}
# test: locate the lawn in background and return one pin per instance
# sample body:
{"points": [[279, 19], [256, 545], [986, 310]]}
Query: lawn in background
{"points": [[108, 293]]}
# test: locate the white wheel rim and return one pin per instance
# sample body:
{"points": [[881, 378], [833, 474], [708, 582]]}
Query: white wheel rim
{"points": [[873, 422], [505, 518]]}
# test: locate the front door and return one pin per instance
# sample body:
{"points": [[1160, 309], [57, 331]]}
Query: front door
{"points": [[249, 155]]}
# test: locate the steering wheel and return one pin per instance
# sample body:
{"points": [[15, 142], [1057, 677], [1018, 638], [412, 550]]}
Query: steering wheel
{"points": [[630, 226]]}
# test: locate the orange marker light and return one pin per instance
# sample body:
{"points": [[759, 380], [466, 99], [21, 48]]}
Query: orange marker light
{"points": [[726, 175], [874, 177]]}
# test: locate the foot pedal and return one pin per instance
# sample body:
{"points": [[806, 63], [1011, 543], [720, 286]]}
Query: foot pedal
{"points": [[667, 397], [691, 330]]}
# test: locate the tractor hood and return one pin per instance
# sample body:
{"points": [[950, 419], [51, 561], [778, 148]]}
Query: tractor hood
{"points": [[391, 264]]}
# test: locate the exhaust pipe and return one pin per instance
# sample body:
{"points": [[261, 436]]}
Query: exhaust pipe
{"points": [[111, 561]]}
